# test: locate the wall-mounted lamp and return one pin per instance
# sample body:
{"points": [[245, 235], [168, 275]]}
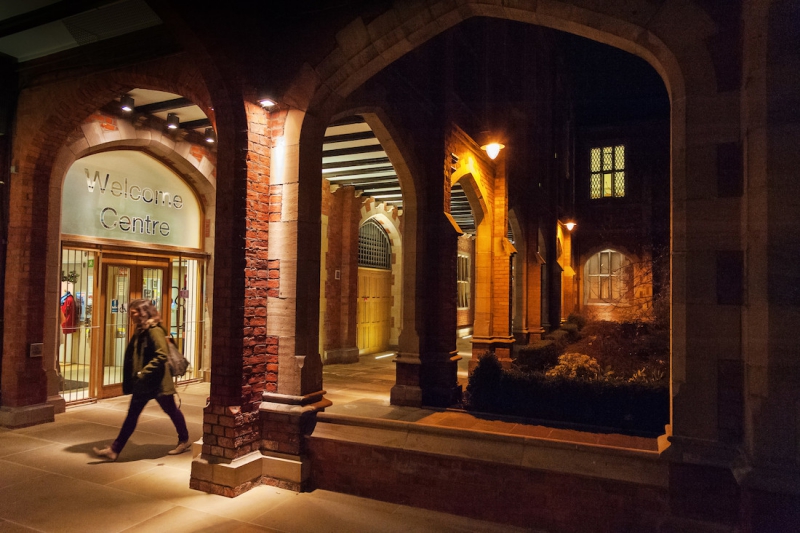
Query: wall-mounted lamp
{"points": [[126, 103], [266, 102], [493, 149], [173, 121], [210, 136], [570, 225]]}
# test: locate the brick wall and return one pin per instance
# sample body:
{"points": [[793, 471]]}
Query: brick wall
{"points": [[508, 494], [342, 255]]}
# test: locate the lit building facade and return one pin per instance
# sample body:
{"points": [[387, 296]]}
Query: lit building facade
{"points": [[260, 255]]}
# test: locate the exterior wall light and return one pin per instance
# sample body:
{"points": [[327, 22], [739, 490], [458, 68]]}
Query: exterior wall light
{"points": [[570, 225], [126, 103], [173, 121], [210, 136], [266, 102], [493, 149]]}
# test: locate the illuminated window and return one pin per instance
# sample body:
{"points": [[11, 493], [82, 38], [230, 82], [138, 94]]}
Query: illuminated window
{"points": [[607, 166], [463, 281], [607, 276], [374, 248]]}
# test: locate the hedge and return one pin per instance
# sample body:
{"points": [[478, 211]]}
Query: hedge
{"points": [[537, 356], [617, 404]]}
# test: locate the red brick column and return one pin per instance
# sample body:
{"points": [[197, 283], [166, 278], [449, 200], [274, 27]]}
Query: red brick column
{"points": [[341, 292], [244, 361]]}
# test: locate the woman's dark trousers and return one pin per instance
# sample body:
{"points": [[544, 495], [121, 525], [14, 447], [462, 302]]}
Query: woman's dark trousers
{"points": [[167, 403]]}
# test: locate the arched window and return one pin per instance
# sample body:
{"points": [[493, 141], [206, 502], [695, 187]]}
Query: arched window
{"points": [[607, 278], [374, 248]]}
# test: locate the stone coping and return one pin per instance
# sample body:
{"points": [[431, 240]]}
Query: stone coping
{"points": [[594, 460]]}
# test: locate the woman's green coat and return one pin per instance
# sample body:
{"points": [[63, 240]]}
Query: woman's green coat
{"points": [[145, 371]]}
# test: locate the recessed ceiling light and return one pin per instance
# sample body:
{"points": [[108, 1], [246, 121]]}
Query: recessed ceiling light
{"points": [[173, 121], [126, 103]]}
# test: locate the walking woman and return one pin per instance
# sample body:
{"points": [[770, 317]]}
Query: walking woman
{"points": [[146, 377]]}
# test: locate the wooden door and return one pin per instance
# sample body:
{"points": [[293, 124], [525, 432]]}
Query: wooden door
{"points": [[373, 322]]}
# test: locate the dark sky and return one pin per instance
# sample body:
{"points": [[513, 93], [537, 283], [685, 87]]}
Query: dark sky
{"points": [[612, 85]]}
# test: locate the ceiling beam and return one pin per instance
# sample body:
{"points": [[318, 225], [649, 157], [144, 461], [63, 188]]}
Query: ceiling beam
{"points": [[194, 124], [166, 105]]}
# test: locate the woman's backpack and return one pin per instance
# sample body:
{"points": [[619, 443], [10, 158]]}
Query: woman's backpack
{"points": [[177, 363]]}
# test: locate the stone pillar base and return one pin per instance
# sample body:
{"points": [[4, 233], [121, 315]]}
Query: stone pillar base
{"points": [[226, 479], [58, 402], [242, 474], [29, 415], [406, 391], [286, 421], [430, 382], [341, 356], [501, 346]]}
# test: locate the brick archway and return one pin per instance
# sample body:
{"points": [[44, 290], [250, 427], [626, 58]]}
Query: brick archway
{"points": [[192, 162], [52, 114]]}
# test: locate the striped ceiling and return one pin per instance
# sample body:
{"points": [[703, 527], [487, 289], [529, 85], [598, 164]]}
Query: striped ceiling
{"points": [[353, 156]]}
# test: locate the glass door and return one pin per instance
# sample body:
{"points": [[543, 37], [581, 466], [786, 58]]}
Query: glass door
{"points": [[124, 282], [75, 325], [185, 307]]}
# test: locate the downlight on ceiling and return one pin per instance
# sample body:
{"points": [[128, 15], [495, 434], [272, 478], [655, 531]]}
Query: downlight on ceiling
{"points": [[210, 136], [126, 103], [173, 121], [493, 149], [266, 102]]}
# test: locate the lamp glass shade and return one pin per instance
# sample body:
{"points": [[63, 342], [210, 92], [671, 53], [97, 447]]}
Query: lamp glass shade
{"points": [[493, 149]]}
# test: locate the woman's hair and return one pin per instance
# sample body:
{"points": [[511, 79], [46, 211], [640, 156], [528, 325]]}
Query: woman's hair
{"points": [[148, 313]]}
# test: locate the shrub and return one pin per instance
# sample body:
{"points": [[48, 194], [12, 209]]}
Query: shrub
{"points": [[576, 365], [484, 383], [576, 319], [572, 331], [612, 403], [537, 356], [560, 337]]}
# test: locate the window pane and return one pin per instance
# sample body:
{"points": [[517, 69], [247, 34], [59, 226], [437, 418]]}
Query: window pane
{"points": [[607, 184], [595, 187], [608, 162], [604, 293], [619, 184], [374, 249], [594, 287], [619, 157], [595, 160], [604, 260]]}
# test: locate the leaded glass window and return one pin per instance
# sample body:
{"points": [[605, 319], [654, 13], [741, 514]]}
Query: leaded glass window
{"points": [[607, 275], [463, 281], [374, 248], [607, 166]]}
